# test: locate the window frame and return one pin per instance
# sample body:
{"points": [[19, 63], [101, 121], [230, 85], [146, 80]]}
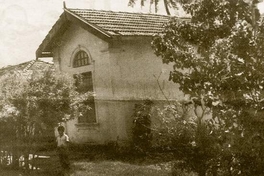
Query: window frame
{"points": [[81, 58], [75, 52], [92, 100]]}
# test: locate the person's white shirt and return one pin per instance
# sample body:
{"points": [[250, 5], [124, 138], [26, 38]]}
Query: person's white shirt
{"points": [[62, 140]]}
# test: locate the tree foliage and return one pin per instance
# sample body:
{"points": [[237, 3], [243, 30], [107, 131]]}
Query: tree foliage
{"points": [[217, 58], [141, 131], [32, 103], [168, 4]]}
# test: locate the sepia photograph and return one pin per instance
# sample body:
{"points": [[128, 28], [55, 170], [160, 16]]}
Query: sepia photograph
{"points": [[131, 88]]}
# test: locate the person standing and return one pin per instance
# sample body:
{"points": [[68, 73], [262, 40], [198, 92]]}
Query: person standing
{"points": [[62, 149]]}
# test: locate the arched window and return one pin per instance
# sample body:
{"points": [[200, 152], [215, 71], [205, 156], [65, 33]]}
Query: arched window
{"points": [[81, 58]]}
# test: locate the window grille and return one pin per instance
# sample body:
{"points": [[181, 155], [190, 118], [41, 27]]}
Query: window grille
{"points": [[81, 59]]}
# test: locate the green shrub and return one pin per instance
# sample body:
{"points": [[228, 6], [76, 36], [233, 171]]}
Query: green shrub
{"points": [[141, 130], [193, 144]]}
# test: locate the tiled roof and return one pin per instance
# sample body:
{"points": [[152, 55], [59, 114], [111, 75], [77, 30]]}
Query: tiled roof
{"points": [[106, 25], [123, 23], [24, 66]]}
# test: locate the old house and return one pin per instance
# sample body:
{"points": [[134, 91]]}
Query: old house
{"points": [[112, 51]]}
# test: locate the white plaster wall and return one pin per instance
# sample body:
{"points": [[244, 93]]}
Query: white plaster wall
{"points": [[136, 70]]}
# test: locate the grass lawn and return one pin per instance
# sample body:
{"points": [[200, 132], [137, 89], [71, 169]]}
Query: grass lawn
{"points": [[116, 168], [9, 173], [95, 167], [102, 167], [98, 168]]}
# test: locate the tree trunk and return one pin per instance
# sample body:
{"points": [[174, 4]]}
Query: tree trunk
{"points": [[166, 5]]}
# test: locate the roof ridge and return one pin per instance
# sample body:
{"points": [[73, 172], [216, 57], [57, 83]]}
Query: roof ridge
{"points": [[142, 13], [125, 20]]}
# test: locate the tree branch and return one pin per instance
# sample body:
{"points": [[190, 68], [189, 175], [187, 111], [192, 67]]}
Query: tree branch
{"points": [[157, 79]]}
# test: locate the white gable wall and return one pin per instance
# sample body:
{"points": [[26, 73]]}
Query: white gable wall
{"points": [[74, 38]]}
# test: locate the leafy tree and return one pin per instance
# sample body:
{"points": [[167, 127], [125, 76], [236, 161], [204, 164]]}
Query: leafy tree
{"points": [[218, 61], [32, 103]]}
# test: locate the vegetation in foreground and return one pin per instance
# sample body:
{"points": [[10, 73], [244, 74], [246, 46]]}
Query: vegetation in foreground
{"points": [[98, 164]]}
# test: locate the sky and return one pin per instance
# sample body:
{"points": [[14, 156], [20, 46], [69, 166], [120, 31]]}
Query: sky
{"points": [[25, 23]]}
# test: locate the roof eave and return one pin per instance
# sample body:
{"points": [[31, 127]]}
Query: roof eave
{"points": [[58, 29], [137, 37]]}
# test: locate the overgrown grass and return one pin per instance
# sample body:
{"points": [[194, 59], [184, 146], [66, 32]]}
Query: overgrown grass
{"points": [[100, 164]]}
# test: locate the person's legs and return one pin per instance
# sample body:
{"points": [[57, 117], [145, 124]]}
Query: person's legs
{"points": [[65, 160]]}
